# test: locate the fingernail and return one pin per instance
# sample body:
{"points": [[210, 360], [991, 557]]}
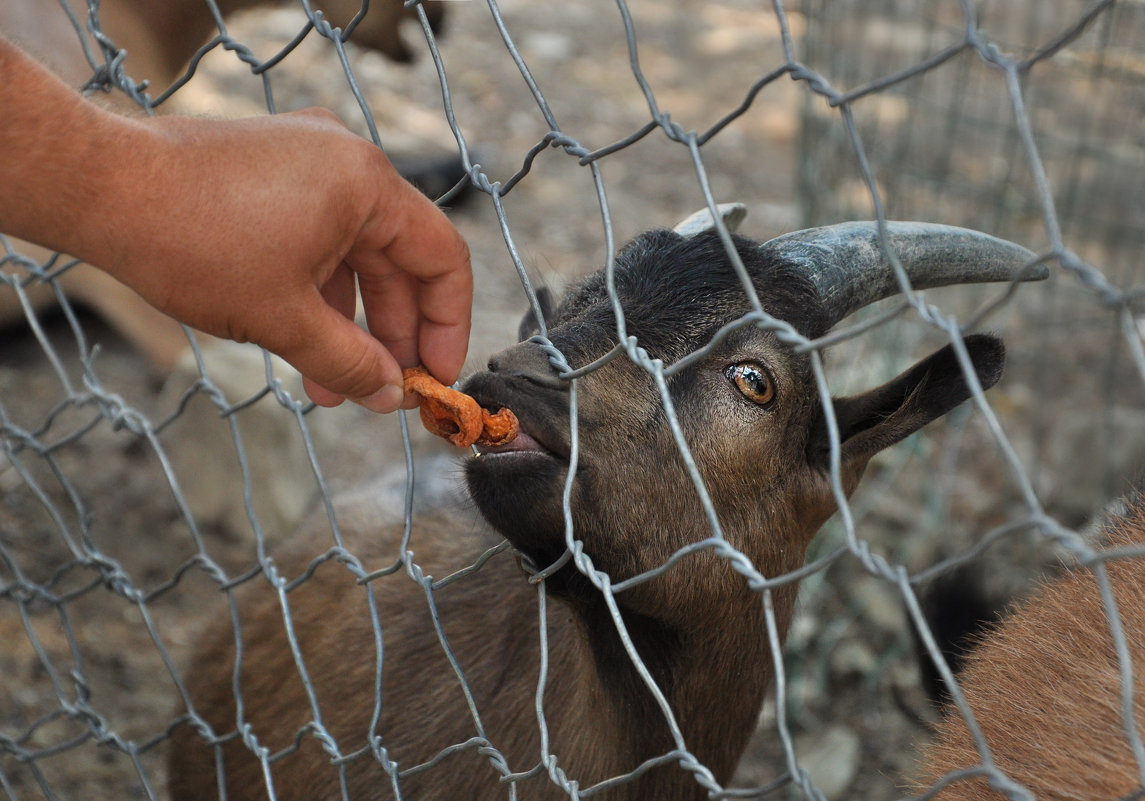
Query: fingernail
{"points": [[388, 399]]}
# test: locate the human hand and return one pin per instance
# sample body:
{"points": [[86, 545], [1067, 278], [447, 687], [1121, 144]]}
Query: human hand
{"points": [[262, 230]]}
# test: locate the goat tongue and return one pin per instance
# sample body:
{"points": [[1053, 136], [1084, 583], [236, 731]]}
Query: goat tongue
{"points": [[456, 416]]}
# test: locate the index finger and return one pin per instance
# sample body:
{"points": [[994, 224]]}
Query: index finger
{"points": [[433, 307]]}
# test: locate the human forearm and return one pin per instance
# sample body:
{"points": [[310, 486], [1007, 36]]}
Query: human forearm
{"points": [[264, 229], [57, 151]]}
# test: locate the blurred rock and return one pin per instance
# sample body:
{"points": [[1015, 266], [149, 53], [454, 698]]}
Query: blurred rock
{"points": [[853, 658], [831, 758], [202, 451], [1094, 458], [548, 45], [882, 604], [10, 477]]}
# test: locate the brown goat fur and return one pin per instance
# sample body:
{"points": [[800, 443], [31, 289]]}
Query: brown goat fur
{"points": [[1044, 686], [601, 721], [698, 627]]}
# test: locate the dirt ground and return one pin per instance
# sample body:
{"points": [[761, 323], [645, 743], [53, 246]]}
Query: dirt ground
{"points": [[89, 667]]}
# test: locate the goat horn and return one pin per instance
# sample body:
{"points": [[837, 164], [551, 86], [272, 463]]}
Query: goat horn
{"points": [[731, 213], [846, 263]]}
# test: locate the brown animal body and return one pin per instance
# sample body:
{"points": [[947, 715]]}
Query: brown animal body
{"points": [[752, 417], [1044, 685], [159, 38]]}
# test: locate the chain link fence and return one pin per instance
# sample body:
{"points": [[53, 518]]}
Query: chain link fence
{"points": [[138, 502]]}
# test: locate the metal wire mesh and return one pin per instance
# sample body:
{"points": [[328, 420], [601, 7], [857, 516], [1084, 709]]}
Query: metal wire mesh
{"points": [[88, 443], [956, 155]]}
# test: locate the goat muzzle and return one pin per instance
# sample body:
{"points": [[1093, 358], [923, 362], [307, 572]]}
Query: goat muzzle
{"points": [[528, 361]]}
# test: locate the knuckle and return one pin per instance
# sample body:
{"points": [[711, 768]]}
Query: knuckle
{"points": [[361, 377], [462, 248], [320, 113]]}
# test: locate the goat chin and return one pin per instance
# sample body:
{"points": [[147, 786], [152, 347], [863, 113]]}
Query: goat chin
{"points": [[1044, 685]]}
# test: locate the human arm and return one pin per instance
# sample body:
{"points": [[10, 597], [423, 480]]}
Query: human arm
{"points": [[262, 229]]}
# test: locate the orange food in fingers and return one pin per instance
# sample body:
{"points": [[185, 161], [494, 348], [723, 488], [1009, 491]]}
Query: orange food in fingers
{"points": [[456, 416]]}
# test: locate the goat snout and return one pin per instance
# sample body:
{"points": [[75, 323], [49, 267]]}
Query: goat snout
{"points": [[529, 361]]}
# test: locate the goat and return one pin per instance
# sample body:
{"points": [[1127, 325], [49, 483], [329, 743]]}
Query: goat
{"points": [[159, 38], [751, 415], [1044, 686]]}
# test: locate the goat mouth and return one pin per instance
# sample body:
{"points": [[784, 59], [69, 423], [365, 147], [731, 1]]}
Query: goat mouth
{"points": [[525, 443], [537, 413], [522, 443]]}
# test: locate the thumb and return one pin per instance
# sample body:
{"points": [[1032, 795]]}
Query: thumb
{"points": [[339, 360]]}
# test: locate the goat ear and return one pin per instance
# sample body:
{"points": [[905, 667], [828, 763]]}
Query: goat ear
{"points": [[701, 221], [528, 325], [879, 418]]}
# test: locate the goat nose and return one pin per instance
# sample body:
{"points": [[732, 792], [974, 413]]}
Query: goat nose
{"points": [[529, 361]]}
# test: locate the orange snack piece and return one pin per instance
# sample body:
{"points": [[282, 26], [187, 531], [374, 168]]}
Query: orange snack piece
{"points": [[499, 428], [456, 416]]}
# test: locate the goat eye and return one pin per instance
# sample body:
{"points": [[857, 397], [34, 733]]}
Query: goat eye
{"points": [[753, 382]]}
